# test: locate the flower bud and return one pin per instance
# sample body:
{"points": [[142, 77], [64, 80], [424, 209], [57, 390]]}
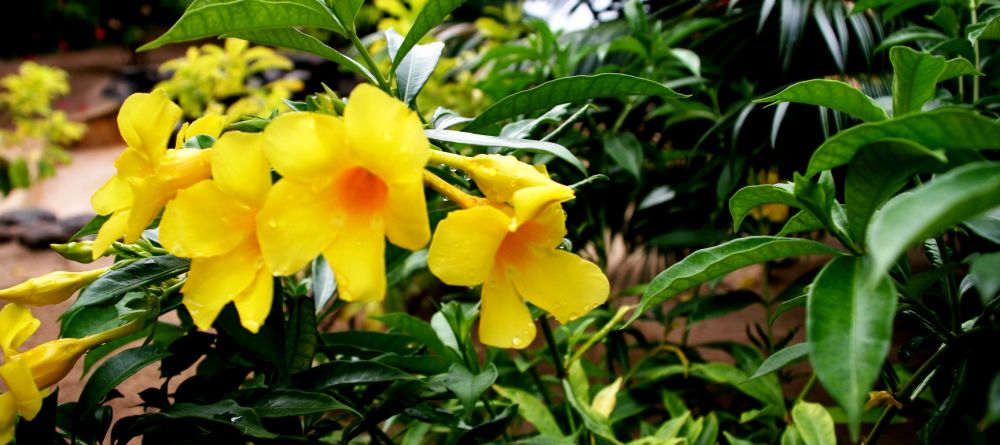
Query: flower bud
{"points": [[51, 361], [604, 401], [51, 288], [79, 251]]}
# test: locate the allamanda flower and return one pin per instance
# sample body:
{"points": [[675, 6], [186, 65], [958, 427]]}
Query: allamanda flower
{"points": [[346, 185], [51, 288], [482, 245], [28, 374], [214, 223], [148, 174]]}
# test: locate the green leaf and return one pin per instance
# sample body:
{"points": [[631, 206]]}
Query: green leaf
{"points": [[209, 18], [714, 262], [415, 68], [993, 404], [832, 94], [786, 306], [420, 330], [291, 402], [201, 142], [987, 28], [225, 412], [92, 227], [765, 390], [950, 198], [593, 421], [803, 221], [430, 16], [782, 358], [984, 272], [570, 89], [791, 436], [468, 386], [324, 284], [292, 38], [986, 225], [112, 373], [957, 67], [914, 79], [733, 440], [752, 196], [814, 424], [521, 145], [876, 174], [849, 326], [948, 129], [346, 12], [626, 151], [489, 430], [300, 334], [532, 410], [346, 372], [116, 283]]}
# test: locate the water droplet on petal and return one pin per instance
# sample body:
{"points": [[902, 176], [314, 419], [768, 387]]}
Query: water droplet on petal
{"points": [[272, 223], [516, 341]]}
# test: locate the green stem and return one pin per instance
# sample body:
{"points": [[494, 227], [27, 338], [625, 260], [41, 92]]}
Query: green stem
{"points": [[975, 52], [600, 334], [372, 66], [557, 360], [907, 393], [537, 379], [805, 389]]}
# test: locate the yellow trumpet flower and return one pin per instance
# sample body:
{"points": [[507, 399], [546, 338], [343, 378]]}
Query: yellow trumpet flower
{"points": [[51, 288], [346, 185], [481, 245], [28, 374], [148, 174], [214, 223]]}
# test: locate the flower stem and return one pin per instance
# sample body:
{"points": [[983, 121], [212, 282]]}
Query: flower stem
{"points": [[907, 393], [372, 66], [93, 341], [553, 348], [450, 159], [451, 192]]}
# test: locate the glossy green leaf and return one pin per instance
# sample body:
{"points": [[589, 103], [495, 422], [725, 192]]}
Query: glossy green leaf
{"points": [[489, 430], [832, 94], [112, 372], [765, 389], [292, 38], [733, 440], [987, 28], [421, 330], [814, 424], [570, 89], [849, 326], [952, 197], [909, 35], [786, 306], [346, 12], [948, 129], [986, 225], [532, 410], [593, 421], [323, 282], [993, 403], [782, 358], [91, 228], [803, 221], [468, 386], [957, 67], [526, 145], [984, 272], [291, 402], [914, 80], [210, 18], [430, 16], [300, 334], [113, 285], [752, 196], [791, 436], [869, 183], [346, 372], [415, 68], [626, 151], [714, 262], [225, 412]]}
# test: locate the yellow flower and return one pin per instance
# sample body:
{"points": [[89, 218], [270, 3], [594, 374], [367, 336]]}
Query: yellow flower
{"points": [[346, 185], [148, 174], [28, 374], [214, 223], [526, 189], [51, 288], [481, 245], [606, 399]]}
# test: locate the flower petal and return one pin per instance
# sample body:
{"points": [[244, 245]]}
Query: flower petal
{"points": [[146, 121], [305, 146], [254, 303], [357, 257], [465, 244], [202, 221], [150, 197], [240, 168], [214, 282], [110, 231], [210, 124], [113, 195], [17, 375], [385, 136], [294, 226], [505, 321], [8, 417], [406, 222], [560, 283], [529, 202], [18, 324]]}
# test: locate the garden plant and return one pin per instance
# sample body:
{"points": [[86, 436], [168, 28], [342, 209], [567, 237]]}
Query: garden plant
{"points": [[503, 233]]}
